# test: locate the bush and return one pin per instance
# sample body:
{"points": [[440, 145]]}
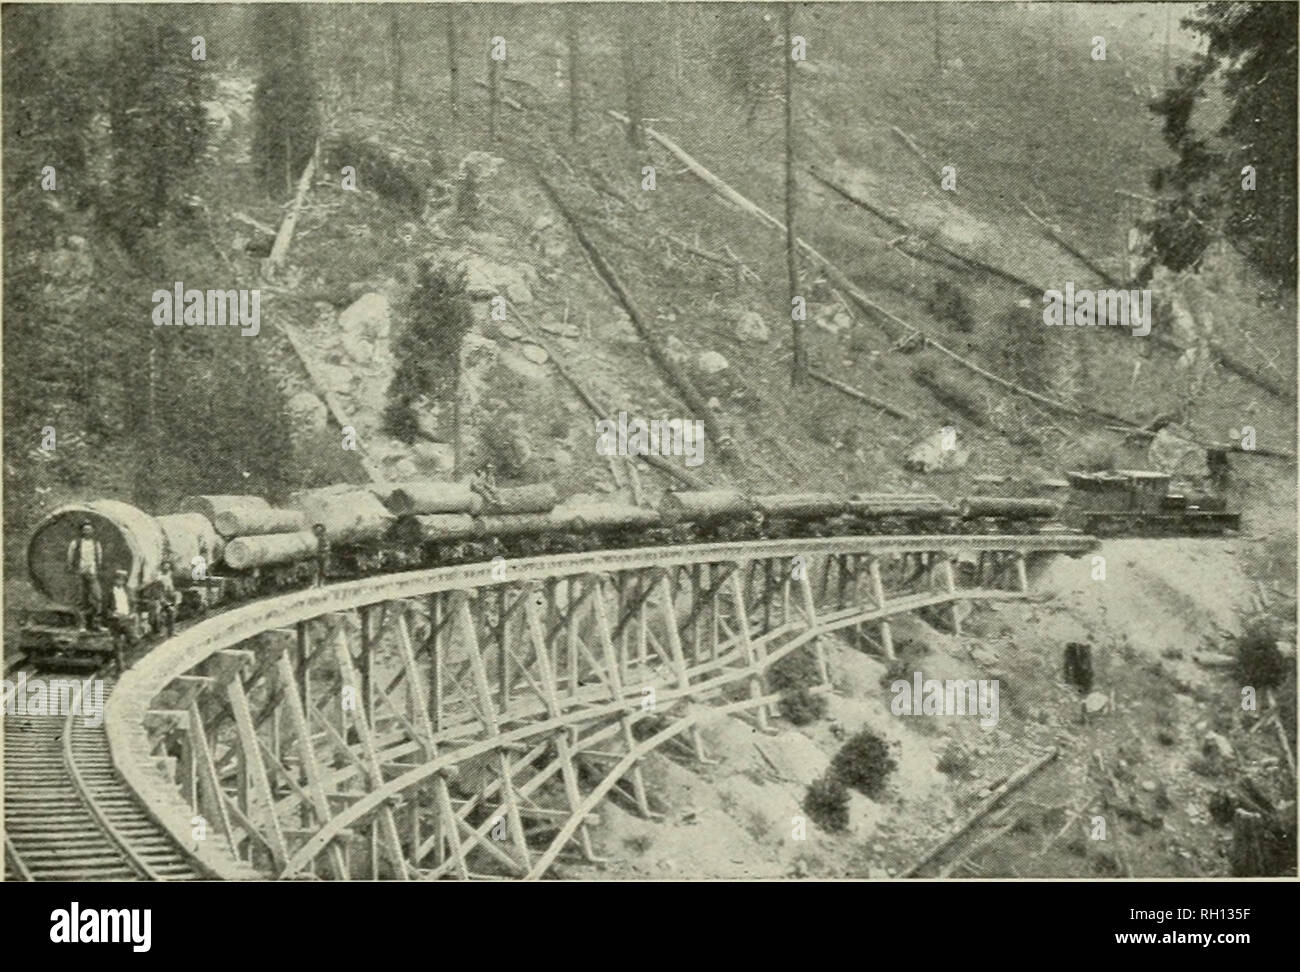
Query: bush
{"points": [[949, 303], [793, 676], [864, 763], [437, 318], [1259, 662], [377, 172], [827, 803]]}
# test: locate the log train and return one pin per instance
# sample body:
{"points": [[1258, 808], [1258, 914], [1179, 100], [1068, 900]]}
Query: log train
{"points": [[225, 549]]}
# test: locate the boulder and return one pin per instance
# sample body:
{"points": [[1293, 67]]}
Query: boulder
{"points": [[534, 353], [752, 327], [482, 165], [485, 279], [438, 455], [369, 316], [676, 350], [307, 413], [1217, 747], [930, 456], [710, 362]]}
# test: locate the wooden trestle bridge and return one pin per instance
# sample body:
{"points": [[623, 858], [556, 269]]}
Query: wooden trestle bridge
{"points": [[467, 721]]}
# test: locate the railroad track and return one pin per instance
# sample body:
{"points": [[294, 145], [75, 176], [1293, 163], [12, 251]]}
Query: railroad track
{"points": [[69, 816]]}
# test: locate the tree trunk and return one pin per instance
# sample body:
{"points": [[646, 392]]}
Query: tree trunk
{"points": [[571, 23], [632, 84], [453, 64], [395, 56], [799, 362], [938, 37], [494, 95]]}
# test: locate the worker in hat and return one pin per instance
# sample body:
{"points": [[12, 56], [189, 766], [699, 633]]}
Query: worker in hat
{"points": [[322, 554], [86, 561], [121, 617]]}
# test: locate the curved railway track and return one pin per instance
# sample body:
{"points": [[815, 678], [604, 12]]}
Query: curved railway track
{"points": [[69, 816]]}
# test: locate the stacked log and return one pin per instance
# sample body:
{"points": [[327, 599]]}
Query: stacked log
{"points": [[349, 513], [427, 497], [214, 506], [520, 525], [249, 522], [435, 527], [533, 498], [262, 550], [886, 504], [187, 536], [605, 516], [800, 504], [1004, 506], [703, 506]]}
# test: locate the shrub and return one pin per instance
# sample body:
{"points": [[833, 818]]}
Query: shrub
{"points": [[864, 763], [827, 803], [949, 303], [437, 318], [793, 676], [1259, 662]]}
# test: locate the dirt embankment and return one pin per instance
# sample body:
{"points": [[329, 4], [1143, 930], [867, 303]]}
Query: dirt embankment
{"points": [[1163, 608]]}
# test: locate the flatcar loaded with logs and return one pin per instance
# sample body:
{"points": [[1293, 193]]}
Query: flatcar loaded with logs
{"points": [[225, 549]]}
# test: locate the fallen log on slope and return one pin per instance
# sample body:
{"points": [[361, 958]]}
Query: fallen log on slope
{"points": [[969, 263], [1013, 783], [837, 276], [680, 382], [1225, 358], [280, 249], [852, 392], [654, 462]]}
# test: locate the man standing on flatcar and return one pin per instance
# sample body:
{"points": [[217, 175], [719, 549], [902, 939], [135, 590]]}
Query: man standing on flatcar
{"points": [[484, 484], [121, 618], [86, 560], [322, 554]]}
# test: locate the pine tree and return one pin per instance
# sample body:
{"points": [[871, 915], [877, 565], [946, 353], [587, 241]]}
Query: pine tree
{"points": [[286, 116], [1251, 56]]}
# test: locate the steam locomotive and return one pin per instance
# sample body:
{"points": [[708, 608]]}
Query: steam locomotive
{"points": [[226, 549]]}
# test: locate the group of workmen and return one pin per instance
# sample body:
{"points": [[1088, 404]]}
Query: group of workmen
{"points": [[158, 602], [120, 611]]}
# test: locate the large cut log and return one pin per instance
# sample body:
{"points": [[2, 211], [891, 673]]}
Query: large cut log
{"points": [[800, 504], [692, 506], [349, 513], [532, 498], [187, 536], [885, 504], [247, 523], [606, 516], [435, 527], [521, 524], [428, 497], [679, 381], [213, 506], [243, 553], [973, 507]]}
